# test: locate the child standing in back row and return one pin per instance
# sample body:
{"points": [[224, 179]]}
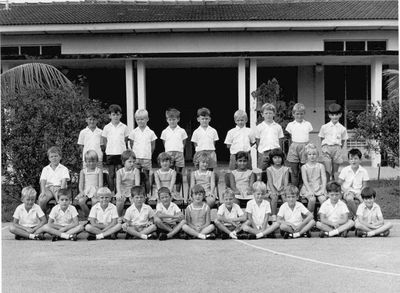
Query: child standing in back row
{"points": [[115, 136], [174, 139], [239, 139], [204, 138], [269, 135], [299, 131], [333, 135]]}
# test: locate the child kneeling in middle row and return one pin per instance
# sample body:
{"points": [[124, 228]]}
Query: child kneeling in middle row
{"points": [[295, 220]]}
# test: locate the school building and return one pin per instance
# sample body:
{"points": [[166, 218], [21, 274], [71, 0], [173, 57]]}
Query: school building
{"points": [[189, 54]]}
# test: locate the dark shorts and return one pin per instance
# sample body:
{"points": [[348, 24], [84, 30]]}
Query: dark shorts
{"points": [[178, 159], [113, 160], [263, 161]]}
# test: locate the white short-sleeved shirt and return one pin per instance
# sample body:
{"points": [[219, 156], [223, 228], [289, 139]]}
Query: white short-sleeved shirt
{"points": [[91, 140], [142, 142], [63, 218], [236, 211], [294, 216], [115, 138], [300, 131], [333, 212], [258, 212], [269, 135], [172, 210], [353, 181], [371, 216], [139, 218], [174, 138], [333, 134], [240, 139], [204, 138], [104, 216], [54, 177], [28, 219]]}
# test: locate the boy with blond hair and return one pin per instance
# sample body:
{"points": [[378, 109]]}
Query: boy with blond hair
{"points": [[239, 139], [103, 217], [299, 130], [28, 217], [53, 178], [204, 138]]}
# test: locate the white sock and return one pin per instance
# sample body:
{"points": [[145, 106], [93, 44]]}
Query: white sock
{"points": [[202, 236], [64, 236], [333, 232], [370, 234], [31, 236], [144, 237], [296, 235], [232, 235], [99, 236], [259, 235]]}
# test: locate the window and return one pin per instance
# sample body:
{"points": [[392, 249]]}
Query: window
{"points": [[7, 51], [359, 45], [376, 45], [32, 50], [355, 46], [51, 50], [334, 46]]}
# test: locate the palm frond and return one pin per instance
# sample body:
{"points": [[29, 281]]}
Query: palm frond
{"points": [[33, 76], [392, 83]]}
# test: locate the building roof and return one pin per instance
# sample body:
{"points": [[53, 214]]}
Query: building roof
{"points": [[125, 12]]}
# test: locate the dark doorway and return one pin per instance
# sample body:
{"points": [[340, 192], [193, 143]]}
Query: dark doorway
{"points": [[187, 90]]}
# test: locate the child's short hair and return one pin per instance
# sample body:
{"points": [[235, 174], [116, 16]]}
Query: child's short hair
{"points": [[173, 113], [334, 109], [277, 153], [142, 113], [229, 191], [311, 147], [269, 107], [54, 150], [198, 189], [92, 114], [91, 155], [28, 191], [259, 186], [240, 155], [126, 155], [138, 190], [240, 114], [163, 190], [354, 152], [291, 189], [299, 107], [114, 108], [204, 157], [104, 191], [64, 192], [163, 157], [203, 112], [333, 186], [368, 192]]}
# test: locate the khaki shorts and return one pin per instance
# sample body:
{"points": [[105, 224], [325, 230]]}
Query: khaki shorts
{"points": [[332, 153], [177, 159], [297, 153], [143, 163], [263, 161]]}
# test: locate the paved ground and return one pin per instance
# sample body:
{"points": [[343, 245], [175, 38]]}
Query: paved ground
{"points": [[277, 265]]}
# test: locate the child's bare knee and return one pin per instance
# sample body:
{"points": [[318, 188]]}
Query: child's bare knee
{"points": [[12, 228]]}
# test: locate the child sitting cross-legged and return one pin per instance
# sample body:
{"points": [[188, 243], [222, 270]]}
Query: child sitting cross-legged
{"points": [[229, 216], [139, 217], [198, 218], [63, 218], [169, 217], [103, 217], [294, 219], [258, 211], [369, 220], [334, 214], [28, 217]]}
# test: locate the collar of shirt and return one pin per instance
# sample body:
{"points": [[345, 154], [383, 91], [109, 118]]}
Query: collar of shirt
{"points": [[330, 124], [119, 124], [270, 124], [109, 206], [174, 129]]}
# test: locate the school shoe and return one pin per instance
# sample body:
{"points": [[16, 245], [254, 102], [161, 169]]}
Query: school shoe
{"points": [[307, 234], [55, 238], [163, 237], [385, 234], [271, 235], [91, 237], [364, 234], [73, 237], [17, 237], [251, 237], [127, 236], [113, 236], [224, 236], [286, 235], [344, 234], [152, 236], [211, 236], [323, 234], [40, 237], [242, 236]]}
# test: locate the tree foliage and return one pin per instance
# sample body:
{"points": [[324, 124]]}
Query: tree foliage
{"points": [[34, 119]]}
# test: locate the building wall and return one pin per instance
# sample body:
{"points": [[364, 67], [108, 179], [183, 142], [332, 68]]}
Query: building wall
{"points": [[199, 42]]}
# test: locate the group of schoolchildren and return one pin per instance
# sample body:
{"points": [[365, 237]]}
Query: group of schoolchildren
{"points": [[128, 163]]}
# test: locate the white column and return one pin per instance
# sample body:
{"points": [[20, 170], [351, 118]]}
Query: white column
{"points": [[376, 96], [253, 105], [5, 67], [130, 96], [141, 84], [242, 84]]}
